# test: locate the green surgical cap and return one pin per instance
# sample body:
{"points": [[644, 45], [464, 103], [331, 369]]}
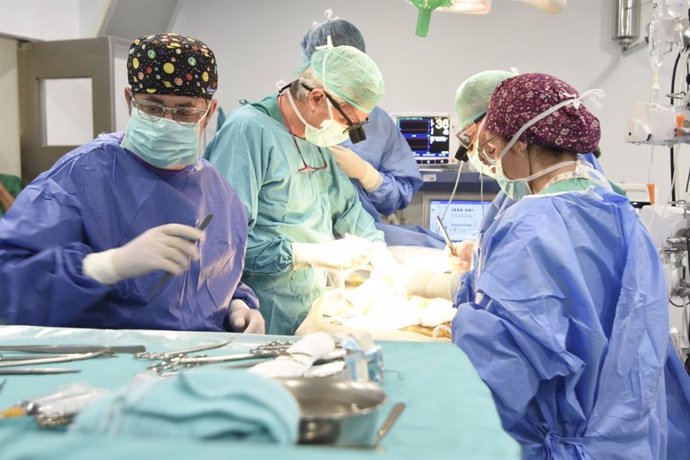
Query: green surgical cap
{"points": [[473, 95], [349, 74]]}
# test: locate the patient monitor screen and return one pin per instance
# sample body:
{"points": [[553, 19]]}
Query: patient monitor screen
{"points": [[428, 136], [463, 219]]}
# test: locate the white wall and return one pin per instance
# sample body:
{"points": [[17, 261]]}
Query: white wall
{"points": [[40, 19], [256, 42], [9, 104]]}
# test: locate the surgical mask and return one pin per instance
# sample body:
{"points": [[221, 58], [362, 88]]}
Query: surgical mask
{"points": [[162, 143], [476, 162], [329, 134], [519, 188]]}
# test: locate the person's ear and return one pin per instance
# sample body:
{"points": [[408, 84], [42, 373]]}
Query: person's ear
{"points": [[212, 107], [315, 98], [128, 100], [520, 147]]}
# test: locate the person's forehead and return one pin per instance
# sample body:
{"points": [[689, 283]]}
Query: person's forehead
{"points": [[171, 100]]}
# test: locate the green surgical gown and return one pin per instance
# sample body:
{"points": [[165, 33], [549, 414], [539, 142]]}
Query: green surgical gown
{"points": [[256, 153]]}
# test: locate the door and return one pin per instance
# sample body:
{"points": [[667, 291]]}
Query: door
{"points": [[65, 98]]}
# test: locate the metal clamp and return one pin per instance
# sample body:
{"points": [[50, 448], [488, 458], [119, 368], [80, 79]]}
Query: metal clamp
{"points": [[153, 356], [175, 361]]}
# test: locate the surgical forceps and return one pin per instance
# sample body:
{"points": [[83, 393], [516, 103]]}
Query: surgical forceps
{"points": [[180, 353], [175, 362], [74, 349], [38, 371], [54, 359]]}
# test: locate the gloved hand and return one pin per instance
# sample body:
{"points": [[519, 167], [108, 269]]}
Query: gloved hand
{"points": [[241, 318], [169, 247], [357, 168], [384, 265], [463, 261], [347, 252]]}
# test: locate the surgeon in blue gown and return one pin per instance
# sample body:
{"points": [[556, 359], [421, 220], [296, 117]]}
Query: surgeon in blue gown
{"points": [[566, 318], [471, 103], [382, 167], [93, 241]]}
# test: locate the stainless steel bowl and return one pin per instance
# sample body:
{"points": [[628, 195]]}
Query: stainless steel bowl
{"points": [[336, 411]]}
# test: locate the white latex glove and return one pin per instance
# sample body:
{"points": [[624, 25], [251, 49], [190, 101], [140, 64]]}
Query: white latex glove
{"points": [[381, 256], [357, 168], [241, 318], [169, 247], [384, 266], [348, 252], [463, 261]]}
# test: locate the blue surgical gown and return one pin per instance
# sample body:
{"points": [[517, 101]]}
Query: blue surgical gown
{"points": [[258, 156], [498, 206], [677, 405], [386, 149], [568, 326], [100, 196]]}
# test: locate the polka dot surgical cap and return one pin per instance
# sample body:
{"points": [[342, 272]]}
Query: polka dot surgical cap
{"points": [[172, 64]]}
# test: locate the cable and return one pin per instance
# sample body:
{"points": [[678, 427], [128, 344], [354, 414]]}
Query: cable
{"points": [[683, 305], [452, 194], [672, 98]]}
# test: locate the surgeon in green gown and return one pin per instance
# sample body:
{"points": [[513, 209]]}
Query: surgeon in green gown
{"points": [[304, 215]]}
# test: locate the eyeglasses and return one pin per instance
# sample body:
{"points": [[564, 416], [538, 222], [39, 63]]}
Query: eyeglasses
{"points": [[488, 156], [464, 138], [306, 168], [354, 130], [153, 111]]}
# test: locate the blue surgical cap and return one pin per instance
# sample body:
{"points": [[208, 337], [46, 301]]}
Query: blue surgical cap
{"points": [[341, 33]]}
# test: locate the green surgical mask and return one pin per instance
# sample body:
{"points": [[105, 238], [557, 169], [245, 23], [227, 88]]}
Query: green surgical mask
{"points": [[162, 143], [477, 163]]}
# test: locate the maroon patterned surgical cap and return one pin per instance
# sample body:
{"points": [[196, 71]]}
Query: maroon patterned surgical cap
{"points": [[519, 99]]}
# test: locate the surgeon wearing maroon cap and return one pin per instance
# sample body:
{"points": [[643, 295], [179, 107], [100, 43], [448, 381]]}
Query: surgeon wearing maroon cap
{"points": [[567, 319]]}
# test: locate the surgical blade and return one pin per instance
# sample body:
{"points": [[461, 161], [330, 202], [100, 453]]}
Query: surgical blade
{"points": [[165, 279], [38, 371], [59, 359], [71, 349]]}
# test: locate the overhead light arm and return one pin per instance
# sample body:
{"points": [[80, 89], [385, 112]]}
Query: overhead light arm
{"points": [[425, 8]]}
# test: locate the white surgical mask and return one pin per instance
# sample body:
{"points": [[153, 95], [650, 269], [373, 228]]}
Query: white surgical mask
{"points": [[329, 134], [519, 188]]}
